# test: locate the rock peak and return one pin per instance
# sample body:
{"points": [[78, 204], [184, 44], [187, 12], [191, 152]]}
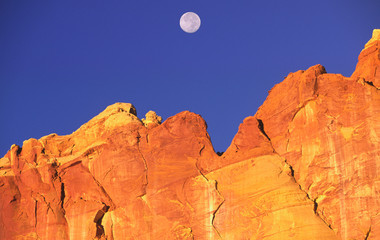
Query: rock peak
{"points": [[151, 118], [116, 115], [369, 61], [119, 107], [375, 37]]}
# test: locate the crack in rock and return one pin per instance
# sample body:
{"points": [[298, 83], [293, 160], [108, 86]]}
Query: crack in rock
{"points": [[367, 83], [60, 192], [104, 192], [371, 84], [35, 215], [63, 195], [261, 128], [368, 233], [216, 189], [145, 164], [216, 210], [298, 109], [98, 221]]}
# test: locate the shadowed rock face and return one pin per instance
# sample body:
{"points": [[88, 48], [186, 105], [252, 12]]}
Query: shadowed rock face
{"points": [[305, 166]]}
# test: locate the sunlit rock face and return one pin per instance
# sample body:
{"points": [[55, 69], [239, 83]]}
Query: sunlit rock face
{"points": [[369, 61], [305, 166], [327, 127]]}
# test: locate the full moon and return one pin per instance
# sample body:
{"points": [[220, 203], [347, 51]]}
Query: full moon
{"points": [[190, 22]]}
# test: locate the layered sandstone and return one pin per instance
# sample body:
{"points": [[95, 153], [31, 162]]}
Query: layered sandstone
{"points": [[305, 166]]}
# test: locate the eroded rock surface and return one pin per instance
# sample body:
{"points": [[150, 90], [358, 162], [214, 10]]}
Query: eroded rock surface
{"points": [[327, 127], [151, 119], [305, 166]]}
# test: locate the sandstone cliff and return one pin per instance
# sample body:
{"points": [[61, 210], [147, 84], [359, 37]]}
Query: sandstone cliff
{"points": [[305, 166]]}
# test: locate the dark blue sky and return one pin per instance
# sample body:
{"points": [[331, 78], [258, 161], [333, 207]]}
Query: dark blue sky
{"points": [[63, 62]]}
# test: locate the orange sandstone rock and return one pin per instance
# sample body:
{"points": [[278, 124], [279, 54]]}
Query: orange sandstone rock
{"points": [[304, 167], [369, 60], [328, 131]]}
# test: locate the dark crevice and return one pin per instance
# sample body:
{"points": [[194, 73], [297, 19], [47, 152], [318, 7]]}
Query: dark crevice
{"points": [[368, 233], [261, 128], [200, 151], [369, 83], [372, 85], [98, 220], [315, 206], [15, 198], [19, 150], [35, 218], [72, 148], [89, 152], [217, 209], [219, 153], [54, 165], [35, 213], [63, 195], [133, 111], [35, 159], [291, 170]]}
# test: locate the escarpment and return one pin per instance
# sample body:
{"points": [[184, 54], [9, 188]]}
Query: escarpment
{"points": [[304, 166]]}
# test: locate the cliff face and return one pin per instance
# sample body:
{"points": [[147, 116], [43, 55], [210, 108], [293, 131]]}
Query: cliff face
{"points": [[305, 166]]}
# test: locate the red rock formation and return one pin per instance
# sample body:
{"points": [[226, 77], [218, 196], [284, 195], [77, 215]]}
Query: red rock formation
{"points": [[304, 167], [369, 60], [327, 128]]}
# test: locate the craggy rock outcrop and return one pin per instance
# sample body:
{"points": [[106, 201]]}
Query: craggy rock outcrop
{"points": [[368, 67], [151, 119], [327, 127], [305, 166]]}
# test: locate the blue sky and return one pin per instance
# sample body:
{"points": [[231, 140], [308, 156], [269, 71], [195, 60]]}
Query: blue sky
{"points": [[63, 62]]}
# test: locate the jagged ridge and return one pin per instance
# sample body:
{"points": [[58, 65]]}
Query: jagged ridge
{"points": [[291, 171]]}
